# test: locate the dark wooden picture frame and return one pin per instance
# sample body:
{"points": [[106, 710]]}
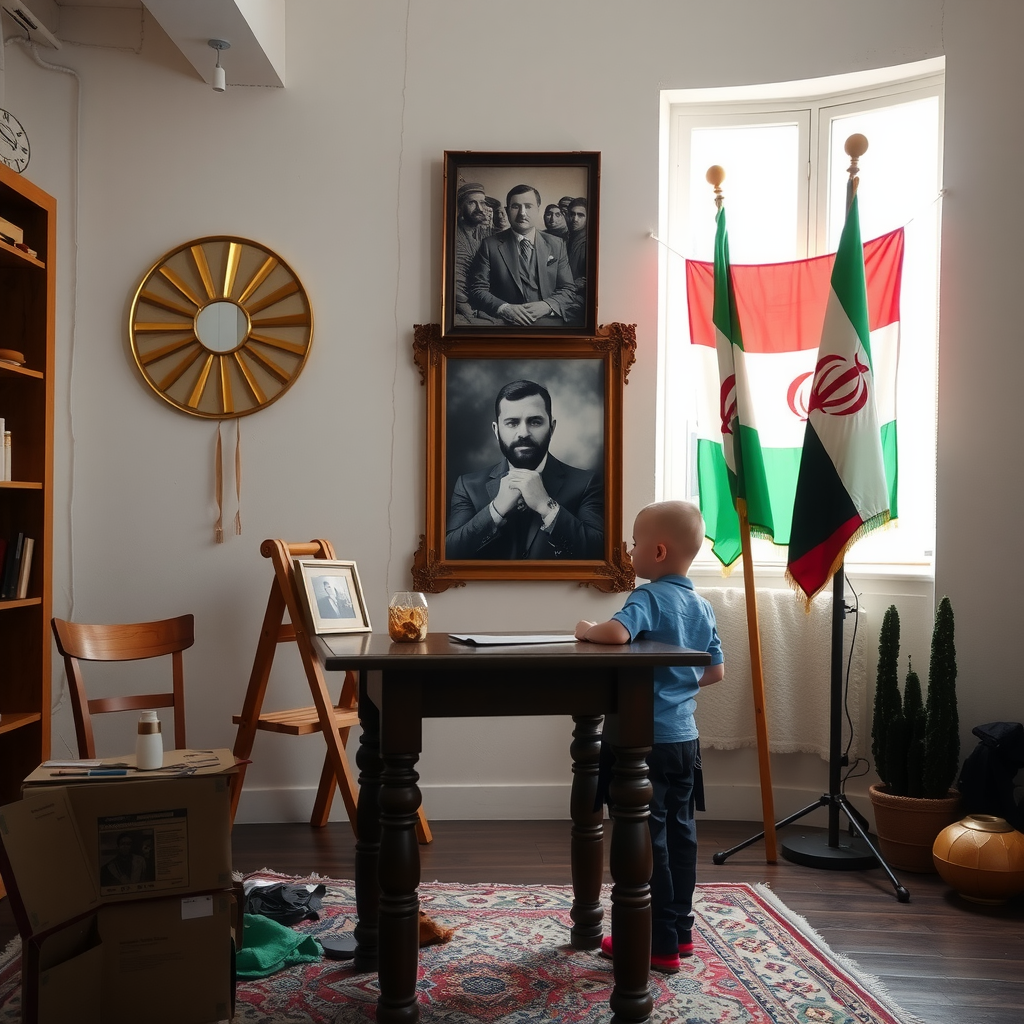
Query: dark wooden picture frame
{"points": [[486, 289], [466, 537]]}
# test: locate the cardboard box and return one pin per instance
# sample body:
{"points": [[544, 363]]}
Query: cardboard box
{"points": [[163, 961], [167, 961], [121, 889], [114, 841]]}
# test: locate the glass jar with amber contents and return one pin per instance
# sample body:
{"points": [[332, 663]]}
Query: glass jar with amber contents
{"points": [[407, 617]]}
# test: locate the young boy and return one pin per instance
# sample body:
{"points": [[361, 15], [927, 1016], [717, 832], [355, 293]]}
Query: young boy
{"points": [[666, 537]]}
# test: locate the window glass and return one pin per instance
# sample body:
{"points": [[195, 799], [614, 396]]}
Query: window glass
{"points": [[760, 160]]}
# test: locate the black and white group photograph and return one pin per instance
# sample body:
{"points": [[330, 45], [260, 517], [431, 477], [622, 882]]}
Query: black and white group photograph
{"points": [[520, 247]]}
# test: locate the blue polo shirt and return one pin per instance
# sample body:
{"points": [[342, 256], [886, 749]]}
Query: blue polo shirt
{"points": [[671, 611]]}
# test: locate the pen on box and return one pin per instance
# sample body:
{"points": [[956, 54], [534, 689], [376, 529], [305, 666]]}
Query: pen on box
{"points": [[91, 774]]}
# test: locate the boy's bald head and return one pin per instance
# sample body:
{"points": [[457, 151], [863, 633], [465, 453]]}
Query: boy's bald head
{"points": [[679, 524]]}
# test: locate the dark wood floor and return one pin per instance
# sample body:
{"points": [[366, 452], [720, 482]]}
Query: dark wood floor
{"points": [[943, 959]]}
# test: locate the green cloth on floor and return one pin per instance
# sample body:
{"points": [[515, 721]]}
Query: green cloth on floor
{"points": [[269, 947]]}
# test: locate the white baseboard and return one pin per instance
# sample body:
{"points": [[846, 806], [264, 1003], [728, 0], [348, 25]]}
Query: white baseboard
{"points": [[532, 802]]}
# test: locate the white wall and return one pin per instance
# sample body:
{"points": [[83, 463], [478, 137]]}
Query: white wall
{"points": [[340, 173]]}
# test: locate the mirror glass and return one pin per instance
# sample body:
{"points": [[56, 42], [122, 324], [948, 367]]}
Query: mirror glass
{"points": [[222, 326]]}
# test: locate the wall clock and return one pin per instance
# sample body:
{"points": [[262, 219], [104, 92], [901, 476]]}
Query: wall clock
{"points": [[220, 327], [14, 148]]}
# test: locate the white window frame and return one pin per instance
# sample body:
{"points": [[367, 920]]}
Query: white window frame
{"points": [[813, 104]]}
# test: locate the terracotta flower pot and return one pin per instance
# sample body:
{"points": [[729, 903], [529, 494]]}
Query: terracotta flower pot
{"points": [[907, 827]]}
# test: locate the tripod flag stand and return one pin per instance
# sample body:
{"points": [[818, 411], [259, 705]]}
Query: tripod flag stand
{"points": [[831, 850]]}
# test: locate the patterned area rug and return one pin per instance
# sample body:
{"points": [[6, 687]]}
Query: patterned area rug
{"points": [[509, 962]]}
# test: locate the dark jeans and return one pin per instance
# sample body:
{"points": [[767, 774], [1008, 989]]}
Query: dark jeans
{"points": [[674, 843]]}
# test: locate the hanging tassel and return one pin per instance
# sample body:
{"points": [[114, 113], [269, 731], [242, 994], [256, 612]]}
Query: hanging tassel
{"points": [[238, 476], [218, 530]]}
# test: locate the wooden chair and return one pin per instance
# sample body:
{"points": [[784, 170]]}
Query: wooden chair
{"points": [[333, 720], [131, 641]]}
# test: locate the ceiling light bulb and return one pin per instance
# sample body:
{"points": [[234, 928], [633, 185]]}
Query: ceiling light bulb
{"points": [[219, 78]]}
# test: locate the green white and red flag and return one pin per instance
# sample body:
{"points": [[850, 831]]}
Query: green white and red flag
{"points": [[765, 397], [842, 491], [741, 445]]}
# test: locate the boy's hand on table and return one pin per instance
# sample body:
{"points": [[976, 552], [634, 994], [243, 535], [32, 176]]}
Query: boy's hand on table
{"points": [[611, 632]]}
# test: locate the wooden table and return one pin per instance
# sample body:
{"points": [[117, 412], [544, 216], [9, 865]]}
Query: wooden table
{"points": [[401, 684]]}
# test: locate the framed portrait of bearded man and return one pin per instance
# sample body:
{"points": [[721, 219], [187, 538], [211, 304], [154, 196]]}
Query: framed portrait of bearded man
{"points": [[519, 256], [524, 459]]}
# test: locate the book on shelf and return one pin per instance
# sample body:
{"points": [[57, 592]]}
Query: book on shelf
{"points": [[11, 232], [25, 570], [12, 567]]}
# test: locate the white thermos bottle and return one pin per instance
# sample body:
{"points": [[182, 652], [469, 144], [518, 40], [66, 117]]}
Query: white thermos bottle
{"points": [[149, 746]]}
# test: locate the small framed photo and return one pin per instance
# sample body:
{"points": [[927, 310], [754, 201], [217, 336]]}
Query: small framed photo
{"points": [[524, 459], [520, 244], [332, 595]]}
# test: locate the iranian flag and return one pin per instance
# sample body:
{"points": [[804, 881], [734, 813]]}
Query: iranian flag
{"points": [[765, 397], [842, 490], [745, 471]]}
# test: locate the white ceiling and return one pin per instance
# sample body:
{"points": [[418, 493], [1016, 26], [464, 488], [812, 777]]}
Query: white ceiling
{"points": [[254, 28]]}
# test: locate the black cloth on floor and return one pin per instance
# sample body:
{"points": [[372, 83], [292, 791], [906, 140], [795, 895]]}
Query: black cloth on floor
{"points": [[987, 778], [286, 904]]}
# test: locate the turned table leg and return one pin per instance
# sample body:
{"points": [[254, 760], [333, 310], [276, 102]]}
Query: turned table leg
{"points": [[630, 859], [587, 843], [368, 833]]}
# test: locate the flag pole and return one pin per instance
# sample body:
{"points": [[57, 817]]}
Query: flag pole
{"points": [[856, 146], [858, 851], [715, 176]]}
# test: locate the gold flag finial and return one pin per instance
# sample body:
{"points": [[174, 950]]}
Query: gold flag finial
{"points": [[715, 177], [856, 146]]}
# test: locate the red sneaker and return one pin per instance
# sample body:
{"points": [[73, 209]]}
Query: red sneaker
{"points": [[665, 963]]}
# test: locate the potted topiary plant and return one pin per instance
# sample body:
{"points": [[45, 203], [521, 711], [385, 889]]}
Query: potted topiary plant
{"points": [[915, 742]]}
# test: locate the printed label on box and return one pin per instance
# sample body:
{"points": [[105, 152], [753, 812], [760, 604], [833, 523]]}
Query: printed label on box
{"points": [[143, 852], [193, 907]]}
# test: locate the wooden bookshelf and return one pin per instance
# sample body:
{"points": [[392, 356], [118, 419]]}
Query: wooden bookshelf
{"points": [[26, 503]]}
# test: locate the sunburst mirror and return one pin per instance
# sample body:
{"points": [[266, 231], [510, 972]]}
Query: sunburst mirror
{"points": [[220, 327]]}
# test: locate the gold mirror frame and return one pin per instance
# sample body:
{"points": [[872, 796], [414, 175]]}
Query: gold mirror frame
{"points": [[208, 382]]}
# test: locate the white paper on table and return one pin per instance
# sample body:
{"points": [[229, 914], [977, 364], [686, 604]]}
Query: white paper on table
{"points": [[499, 640]]}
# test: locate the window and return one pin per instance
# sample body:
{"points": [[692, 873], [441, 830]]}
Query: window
{"points": [[782, 149]]}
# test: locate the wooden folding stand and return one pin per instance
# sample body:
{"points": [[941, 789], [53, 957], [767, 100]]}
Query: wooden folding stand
{"points": [[333, 720]]}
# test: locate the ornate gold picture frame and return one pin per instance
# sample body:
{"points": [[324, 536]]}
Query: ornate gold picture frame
{"points": [[524, 459]]}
